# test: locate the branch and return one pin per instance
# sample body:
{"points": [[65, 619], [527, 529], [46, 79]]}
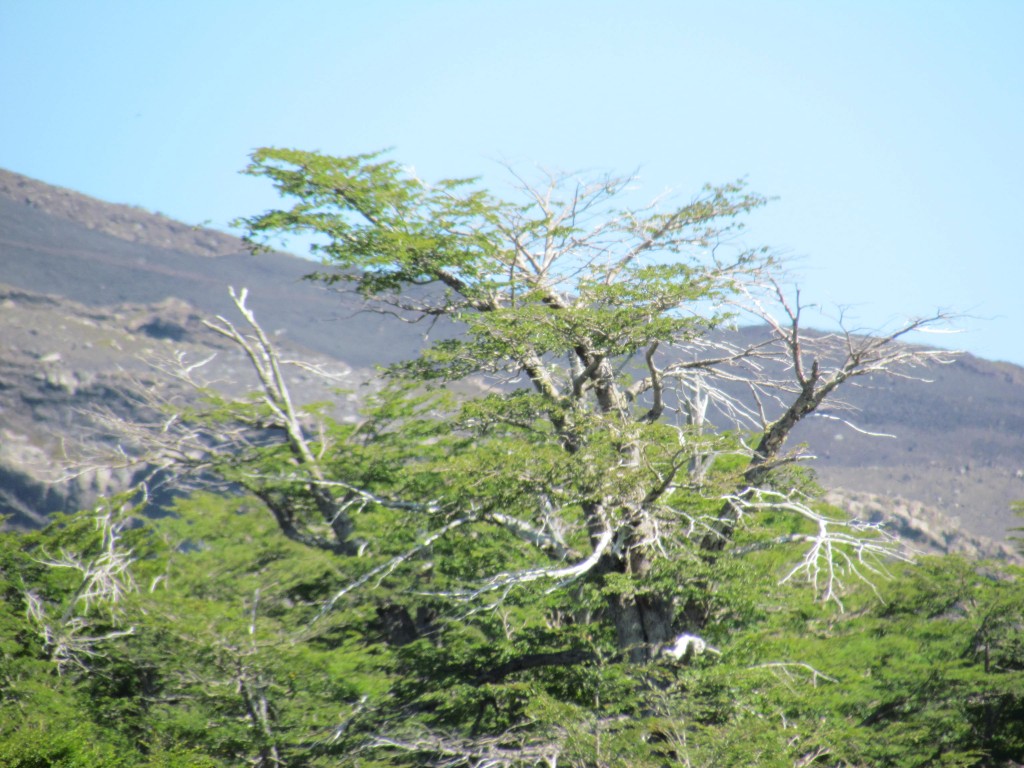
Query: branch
{"points": [[275, 394], [386, 569], [785, 666], [657, 386], [838, 548], [563, 576], [549, 542], [566, 658]]}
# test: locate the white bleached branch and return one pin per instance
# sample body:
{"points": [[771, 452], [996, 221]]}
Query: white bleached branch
{"points": [[838, 549]]}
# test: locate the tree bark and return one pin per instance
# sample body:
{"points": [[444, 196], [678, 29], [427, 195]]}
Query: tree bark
{"points": [[643, 619]]}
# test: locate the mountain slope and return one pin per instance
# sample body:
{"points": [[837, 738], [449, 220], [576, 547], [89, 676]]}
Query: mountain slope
{"points": [[72, 253], [958, 445]]}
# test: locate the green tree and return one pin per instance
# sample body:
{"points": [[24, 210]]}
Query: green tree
{"points": [[577, 554], [617, 319]]}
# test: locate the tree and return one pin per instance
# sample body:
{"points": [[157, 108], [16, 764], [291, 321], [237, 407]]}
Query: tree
{"points": [[608, 492], [618, 321]]}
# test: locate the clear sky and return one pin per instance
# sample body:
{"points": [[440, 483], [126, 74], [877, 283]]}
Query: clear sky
{"points": [[891, 131]]}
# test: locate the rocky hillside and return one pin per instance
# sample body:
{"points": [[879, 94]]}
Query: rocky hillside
{"points": [[61, 362], [957, 442], [924, 528], [89, 287]]}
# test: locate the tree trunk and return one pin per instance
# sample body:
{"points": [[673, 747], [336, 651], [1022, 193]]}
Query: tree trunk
{"points": [[643, 619], [643, 625]]}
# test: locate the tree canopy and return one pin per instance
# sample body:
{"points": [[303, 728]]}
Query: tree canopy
{"points": [[646, 427]]}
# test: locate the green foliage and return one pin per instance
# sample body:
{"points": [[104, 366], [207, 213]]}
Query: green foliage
{"points": [[587, 570], [226, 609]]}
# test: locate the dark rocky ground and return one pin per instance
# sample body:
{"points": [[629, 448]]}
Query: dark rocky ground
{"points": [[90, 289]]}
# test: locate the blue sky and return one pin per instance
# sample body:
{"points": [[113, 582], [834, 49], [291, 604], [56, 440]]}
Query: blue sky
{"points": [[891, 132]]}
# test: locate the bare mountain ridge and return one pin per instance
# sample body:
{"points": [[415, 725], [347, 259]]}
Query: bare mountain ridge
{"points": [[71, 254], [959, 444], [121, 221]]}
